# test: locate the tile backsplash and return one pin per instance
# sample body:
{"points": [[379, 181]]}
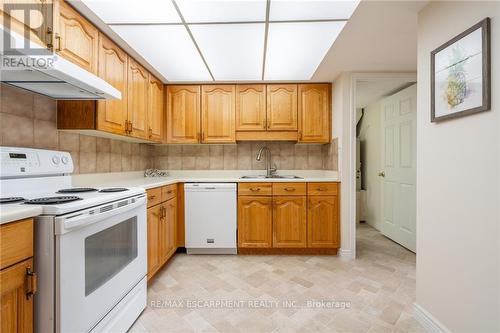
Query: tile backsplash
{"points": [[29, 120], [286, 156]]}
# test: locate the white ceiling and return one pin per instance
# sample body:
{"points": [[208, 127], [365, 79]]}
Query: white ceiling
{"points": [[228, 40], [381, 37]]}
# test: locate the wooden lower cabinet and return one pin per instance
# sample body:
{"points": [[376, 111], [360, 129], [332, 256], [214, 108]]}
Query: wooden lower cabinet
{"points": [[17, 278], [255, 222], [293, 218], [162, 228], [323, 222], [289, 222]]}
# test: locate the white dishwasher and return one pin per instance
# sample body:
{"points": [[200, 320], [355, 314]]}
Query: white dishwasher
{"points": [[210, 218]]}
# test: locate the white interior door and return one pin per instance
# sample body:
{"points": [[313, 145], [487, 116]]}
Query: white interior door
{"points": [[399, 167]]}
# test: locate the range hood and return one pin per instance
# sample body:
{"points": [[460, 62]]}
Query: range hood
{"points": [[56, 77]]}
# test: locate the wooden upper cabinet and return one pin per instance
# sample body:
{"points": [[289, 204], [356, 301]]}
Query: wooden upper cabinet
{"points": [[282, 107], [138, 79], [314, 113], [76, 39], [218, 114], [183, 114], [155, 109], [323, 222], [255, 222], [113, 68], [251, 107], [289, 222]]}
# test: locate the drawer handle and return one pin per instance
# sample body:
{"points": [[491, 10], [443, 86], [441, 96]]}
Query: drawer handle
{"points": [[289, 189], [255, 189], [169, 192], [152, 197], [322, 189], [31, 281]]}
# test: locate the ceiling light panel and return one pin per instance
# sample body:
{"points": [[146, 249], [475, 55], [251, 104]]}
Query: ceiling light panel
{"points": [[294, 50], [204, 11], [286, 10], [232, 51], [134, 11], [169, 49]]}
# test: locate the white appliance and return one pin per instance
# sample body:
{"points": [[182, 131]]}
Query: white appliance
{"points": [[50, 74], [210, 218], [90, 243]]}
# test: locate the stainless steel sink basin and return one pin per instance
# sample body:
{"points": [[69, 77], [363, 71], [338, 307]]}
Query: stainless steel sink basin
{"points": [[271, 177]]}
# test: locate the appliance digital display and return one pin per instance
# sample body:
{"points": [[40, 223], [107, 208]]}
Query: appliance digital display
{"points": [[16, 155]]}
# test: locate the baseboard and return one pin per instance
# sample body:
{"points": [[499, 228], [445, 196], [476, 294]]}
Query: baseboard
{"points": [[346, 254], [428, 321]]}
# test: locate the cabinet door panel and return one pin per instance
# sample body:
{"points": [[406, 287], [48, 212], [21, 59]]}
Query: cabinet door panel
{"points": [[78, 39], [218, 114], [155, 109], [255, 222], [289, 222], [282, 107], [323, 222], [154, 220], [314, 113], [137, 99], [113, 68], [183, 114], [16, 311], [251, 107], [171, 226]]}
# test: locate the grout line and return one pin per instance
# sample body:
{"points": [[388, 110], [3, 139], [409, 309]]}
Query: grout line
{"points": [[231, 22], [266, 33], [192, 38]]}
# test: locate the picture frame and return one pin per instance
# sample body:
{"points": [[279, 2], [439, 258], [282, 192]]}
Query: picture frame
{"points": [[461, 74]]}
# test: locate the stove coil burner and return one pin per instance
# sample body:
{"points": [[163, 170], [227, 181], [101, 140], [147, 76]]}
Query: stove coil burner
{"points": [[52, 200], [113, 189], [11, 200], [77, 190]]}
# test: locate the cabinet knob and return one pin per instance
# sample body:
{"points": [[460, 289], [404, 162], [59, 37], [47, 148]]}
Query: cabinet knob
{"points": [[254, 189], [322, 189], [381, 174], [289, 189]]}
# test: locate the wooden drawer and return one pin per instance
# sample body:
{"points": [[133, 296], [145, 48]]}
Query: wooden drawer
{"points": [[154, 196], [168, 192], [16, 242], [289, 188], [322, 188], [255, 189]]}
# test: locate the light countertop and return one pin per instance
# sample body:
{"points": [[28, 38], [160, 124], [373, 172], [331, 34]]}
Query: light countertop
{"points": [[18, 212], [137, 179]]}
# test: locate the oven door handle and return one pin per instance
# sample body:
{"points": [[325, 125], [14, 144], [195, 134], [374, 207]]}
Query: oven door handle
{"points": [[91, 216]]}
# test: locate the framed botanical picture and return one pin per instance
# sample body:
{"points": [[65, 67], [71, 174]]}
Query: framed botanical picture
{"points": [[461, 74]]}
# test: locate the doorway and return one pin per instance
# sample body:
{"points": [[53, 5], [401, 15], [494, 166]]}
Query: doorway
{"points": [[386, 158]]}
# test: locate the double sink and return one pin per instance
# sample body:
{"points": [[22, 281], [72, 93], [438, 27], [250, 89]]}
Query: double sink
{"points": [[271, 177]]}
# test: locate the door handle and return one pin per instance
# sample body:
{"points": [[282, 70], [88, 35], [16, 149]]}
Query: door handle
{"points": [[31, 283], [381, 174]]}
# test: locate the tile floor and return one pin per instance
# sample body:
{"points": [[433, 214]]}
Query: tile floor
{"points": [[273, 293]]}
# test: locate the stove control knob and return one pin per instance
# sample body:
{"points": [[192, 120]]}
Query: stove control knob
{"points": [[56, 159], [65, 159]]}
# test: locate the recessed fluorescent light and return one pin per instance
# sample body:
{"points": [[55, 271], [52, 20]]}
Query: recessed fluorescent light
{"points": [[134, 11], [294, 50], [232, 51], [222, 10], [285, 10], [169, 49]]}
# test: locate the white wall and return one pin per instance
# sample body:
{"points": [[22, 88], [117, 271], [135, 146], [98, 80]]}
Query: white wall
{"points": [[458, 236], [370, 137]]}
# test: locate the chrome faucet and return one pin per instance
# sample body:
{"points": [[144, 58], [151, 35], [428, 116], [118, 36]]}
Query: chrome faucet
{"points": [[269, 170]]}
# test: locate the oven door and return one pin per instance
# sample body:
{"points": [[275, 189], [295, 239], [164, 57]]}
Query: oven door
{"points": [[100, 256]]}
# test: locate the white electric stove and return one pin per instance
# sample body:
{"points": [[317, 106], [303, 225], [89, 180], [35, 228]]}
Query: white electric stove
{"points": [[90, 243]]}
